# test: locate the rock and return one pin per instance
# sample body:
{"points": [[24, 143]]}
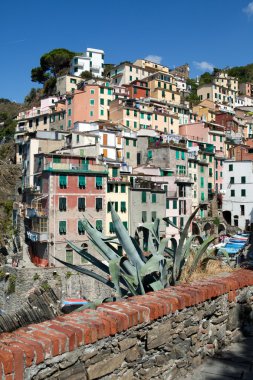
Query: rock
{"points": [[159, 335], [191, 330], [133, 354], [127, 343], [105, 366]]}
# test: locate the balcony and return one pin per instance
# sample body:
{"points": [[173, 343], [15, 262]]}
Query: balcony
{"points": [[64, 167], [34, 212], [37, 236]]}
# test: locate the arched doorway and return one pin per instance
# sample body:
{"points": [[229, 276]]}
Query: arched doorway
{"points": [[227, 216], [221, 228], [195, 229], [207, 229]]}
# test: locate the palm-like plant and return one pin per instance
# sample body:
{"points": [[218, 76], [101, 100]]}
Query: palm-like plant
{"points": [[134, 272]]}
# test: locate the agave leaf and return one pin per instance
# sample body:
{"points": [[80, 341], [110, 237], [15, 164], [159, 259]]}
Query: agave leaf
{"points": [[157, 285], [87, 256], [115, 274], [125, 240], [90, 305], [167, 220], [140, 284], [156, 226], [131, 283], [162, 246], [151, 246], [169, 251], [137, 247], [152, 265], [88, 273], [179, 253], [150, 228], [186, 248], [202, 249]]}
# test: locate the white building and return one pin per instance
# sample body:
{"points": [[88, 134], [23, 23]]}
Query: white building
{"points": [[237, 204], [92, 60], [126, 73]]}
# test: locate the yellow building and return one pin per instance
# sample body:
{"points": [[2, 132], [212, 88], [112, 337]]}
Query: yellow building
{"points": [[151, 66]]}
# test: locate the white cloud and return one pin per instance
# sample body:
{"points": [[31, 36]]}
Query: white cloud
{"points": [[154, 58], [249, 9], [204, 66]]}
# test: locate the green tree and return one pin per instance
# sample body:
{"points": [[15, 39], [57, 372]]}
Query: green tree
{"points": [[205, 78], [107, 68], [86, 75]]}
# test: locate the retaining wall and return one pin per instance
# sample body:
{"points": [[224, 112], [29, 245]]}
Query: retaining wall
{"points": [[160, 335]]}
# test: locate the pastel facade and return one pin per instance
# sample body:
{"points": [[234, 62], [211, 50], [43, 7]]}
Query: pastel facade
{"points": [[126, 72], [92, 60], [67, 84]]}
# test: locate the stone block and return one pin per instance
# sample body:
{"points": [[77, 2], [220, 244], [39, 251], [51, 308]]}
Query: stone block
{"points": [[127, 343], [106, 366], [159, 335], [133, 354]]}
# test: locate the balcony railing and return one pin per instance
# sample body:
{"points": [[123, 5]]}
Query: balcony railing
{"points": [[75, 167]]}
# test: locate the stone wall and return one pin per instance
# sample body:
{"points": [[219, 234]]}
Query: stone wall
{"points": [[159, 335], [66, 283]]}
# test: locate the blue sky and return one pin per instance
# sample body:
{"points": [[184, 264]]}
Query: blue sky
{"points": [[203, 33]]}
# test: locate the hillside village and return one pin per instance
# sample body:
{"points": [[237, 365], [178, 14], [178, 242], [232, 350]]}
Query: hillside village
{"points": [[135, 139]]}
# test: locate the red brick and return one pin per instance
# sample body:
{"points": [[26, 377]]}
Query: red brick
{"points": [[163, 301], [77, 330], [156, 309], [68, 332], [120, 317], [177, 302], [18, 356], [27, 349], [10, 377], [131, 313], [89, 334], [6, 358], [37, 346], [44, 339], [112, 325]]}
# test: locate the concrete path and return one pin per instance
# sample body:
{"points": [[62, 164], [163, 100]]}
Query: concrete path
{"points": [[234, 362]]}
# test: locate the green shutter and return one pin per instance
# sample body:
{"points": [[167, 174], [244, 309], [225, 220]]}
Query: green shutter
{"points": [[167, 203], [143, 196], [201, 182], [81, 229], [69, 256], [116, 208], [153, 198], [62, 227], [174, 220], [85, 165], [56, 160], [177, 154], [63, 181], [149, 154], [82, 181], [123, 206], [62, 204], [81, 204], [115, 172], [153, 216], [99, 182], [123, 188], [111, 227], [99, 225], [109, 207], [99, 204], [125, 225], [202, 196], [174, 204], [183, 155]]}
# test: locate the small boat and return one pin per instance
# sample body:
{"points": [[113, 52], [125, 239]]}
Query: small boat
{"points": [[74, 301]]}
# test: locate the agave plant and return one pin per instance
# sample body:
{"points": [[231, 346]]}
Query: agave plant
{"points": [[134, 272]]}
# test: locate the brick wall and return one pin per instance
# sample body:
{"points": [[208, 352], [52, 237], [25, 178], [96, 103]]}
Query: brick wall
{"points": [[159, 335]]}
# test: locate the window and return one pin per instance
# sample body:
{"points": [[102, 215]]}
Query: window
{"points": [[81, 204], [214, 138], [92, 102], [167, 203], [232, 180], [123, 206], [174, 204], [210, 159], [56, 160], [101, 112], [174, 220], [45, 120], [183, 155], [210, 172], [230, 167], [144, 216], [128, 123], [69, 123], [128, 155], [125, 225], [92, 92], [123, 188], [69, 255], [99, 204], [63, 227], [127, 141], [135, 124], [202, 197], [69, 101], [116, 188], [153, 216], [80, 228], [243, 192], [202, 182], [232, 193], [109, 91], [102, 102], [99, 182], [62, 204], [111, 228], [63, 181], [99, 225], [177, 155], [91, 113], [195, 194], [153, 198], [220, 138], [201, 169], [242, 207], [181, 222], [102, 90], [127, 112], [143, 197], [150, 154], [116, 206], [69, 112], [82, 181], [243, 179], [115, 172]]}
